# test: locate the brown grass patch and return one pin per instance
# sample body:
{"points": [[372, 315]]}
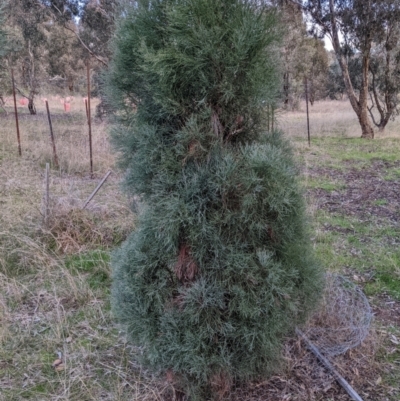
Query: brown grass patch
{"points": [[76, 230]]}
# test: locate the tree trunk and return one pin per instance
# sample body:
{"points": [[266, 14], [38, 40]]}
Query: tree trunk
{"points": [[31, 105], [2, 104], [387, 106], [367, 131], [286, 88], [366, 126], [385, 119], [360, 106], [70, 84]]}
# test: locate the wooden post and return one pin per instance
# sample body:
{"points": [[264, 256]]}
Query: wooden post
{"points": [[89, 121], [16, 114], [308, 118], [47, 195], [55, 158]]}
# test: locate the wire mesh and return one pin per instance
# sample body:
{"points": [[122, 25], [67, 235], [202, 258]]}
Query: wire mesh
{"points": [[343, 319]]}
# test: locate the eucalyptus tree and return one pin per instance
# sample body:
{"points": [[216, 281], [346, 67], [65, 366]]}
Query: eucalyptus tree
{"points": [[359, 25], [65, 65], [4, 49], [303, 56], [93, 24], [3, 34], [29, 19], [97, 26], [385, 71]]}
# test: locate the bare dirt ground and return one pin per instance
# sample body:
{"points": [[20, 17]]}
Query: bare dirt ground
{"points": [[364, 189], [367, 195]]}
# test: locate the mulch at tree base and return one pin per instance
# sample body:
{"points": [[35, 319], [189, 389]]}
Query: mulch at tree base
{"points": [[305, 379]]}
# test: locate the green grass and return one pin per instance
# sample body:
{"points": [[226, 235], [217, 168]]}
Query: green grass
{"points": [[325, 184], [94, 266], [54, 289], [337, 152], [387, 274], [380, 202], [393, 174], [364, 248], [384, 282], [345, 243]]}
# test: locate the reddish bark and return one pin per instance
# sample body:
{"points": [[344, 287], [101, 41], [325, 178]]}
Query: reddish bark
{"points": [[185, 268]]}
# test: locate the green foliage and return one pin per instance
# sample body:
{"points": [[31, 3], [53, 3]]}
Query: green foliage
{"points": [[3, 35], [97, 26], [302, 56], [335, 85], [369, 42], [4, 51], [62, 57], [9, 42], [220, 268]]}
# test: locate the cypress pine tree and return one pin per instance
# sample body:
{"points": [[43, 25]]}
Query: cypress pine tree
{"points": [[220, 267]]}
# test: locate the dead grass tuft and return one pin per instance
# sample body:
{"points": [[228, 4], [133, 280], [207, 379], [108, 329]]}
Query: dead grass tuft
{"points": [[75, 230], [221, 385]]}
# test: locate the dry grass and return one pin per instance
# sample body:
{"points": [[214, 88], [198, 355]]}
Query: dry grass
{"points": [[58, 314], [71, 138], [330, 118], [55, 279]]}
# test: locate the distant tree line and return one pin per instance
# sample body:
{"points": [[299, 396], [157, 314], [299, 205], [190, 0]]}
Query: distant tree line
{"points": [[49, 42]]}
